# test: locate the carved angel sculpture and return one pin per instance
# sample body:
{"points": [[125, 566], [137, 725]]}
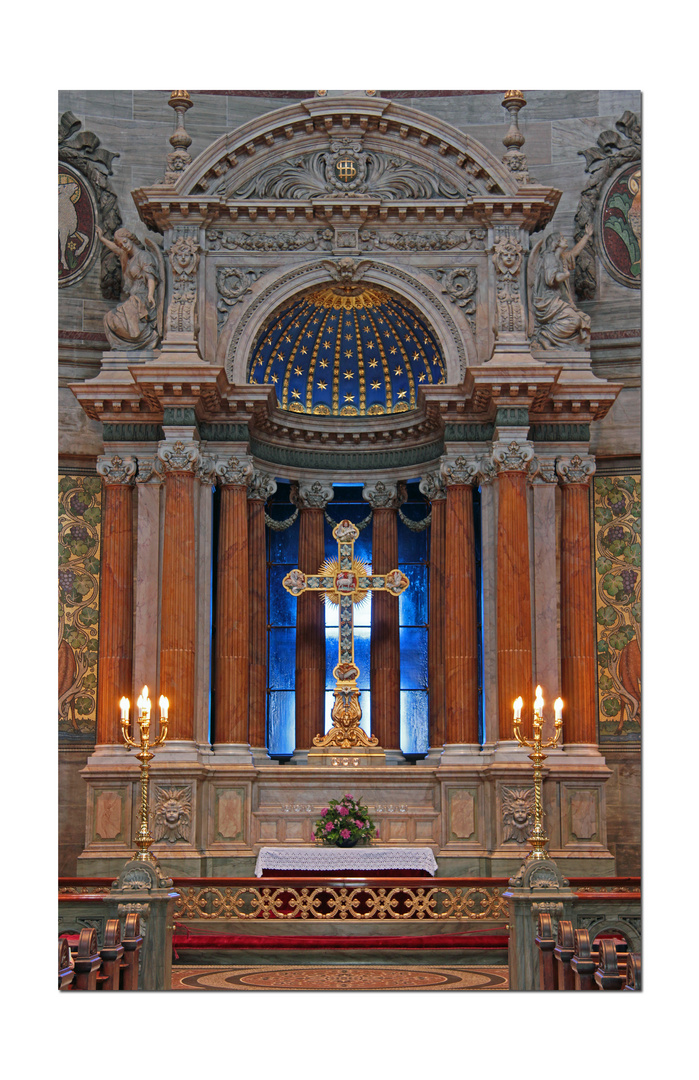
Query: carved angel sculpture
{"points": [[554, 320], [137, 323]]}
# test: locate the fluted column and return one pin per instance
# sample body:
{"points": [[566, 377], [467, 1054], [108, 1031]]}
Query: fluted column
{"points": [[115, 667], [543, 481], [260, 488], [433, 487], [232, 656], [384, 500], [311, 500], [460, 606], [178, 600], [514, 614], [578, 659]]}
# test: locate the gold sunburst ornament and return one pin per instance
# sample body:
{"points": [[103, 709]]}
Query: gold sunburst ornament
{"points": [[331, 569]]}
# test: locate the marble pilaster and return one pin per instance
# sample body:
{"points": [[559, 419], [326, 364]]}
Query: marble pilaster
{"points": [[260, 488], [543, 545], [311, 498], [232, 657], [384, 499], [578, 654], [116, 598], [146, 604]]}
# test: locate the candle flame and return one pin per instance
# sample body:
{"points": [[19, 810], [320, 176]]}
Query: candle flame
{"points": [[164, 706], [517, 706], [558, 708], [124, 706], [539, 700]]}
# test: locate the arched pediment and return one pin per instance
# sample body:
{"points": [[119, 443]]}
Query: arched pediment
{"points": [[351, 148]]}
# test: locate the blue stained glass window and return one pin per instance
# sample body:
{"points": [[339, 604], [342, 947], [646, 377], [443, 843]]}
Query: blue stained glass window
{"points": [[281, 712], [414, 721], [413, 603], [282, 605], [282, 648], [413, 658]]}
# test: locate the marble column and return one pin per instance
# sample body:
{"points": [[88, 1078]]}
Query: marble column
{"points": [[514, 618], [578, 659], [433, 487], [178, 594], [311, 499], [147, 577], [460, 606], [384, 499], [232, 656], [114, 679], [260, 489]]}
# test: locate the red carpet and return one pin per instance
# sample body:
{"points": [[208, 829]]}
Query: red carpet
{"points": [[192, 939]]}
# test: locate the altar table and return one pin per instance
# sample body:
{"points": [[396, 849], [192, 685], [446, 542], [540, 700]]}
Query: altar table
{"points": [[383, 861]]}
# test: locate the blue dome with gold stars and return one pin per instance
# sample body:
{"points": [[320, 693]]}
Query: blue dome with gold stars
{"points": [[333, 354]]}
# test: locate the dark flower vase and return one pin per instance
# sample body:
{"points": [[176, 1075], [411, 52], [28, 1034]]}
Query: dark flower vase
{"points": [[346, 843]]}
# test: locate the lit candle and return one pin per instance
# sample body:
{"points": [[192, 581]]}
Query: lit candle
{"points": [[144, 704], [124, 705], [538, 702], [517, 706], [558, 708], [164, 706]]}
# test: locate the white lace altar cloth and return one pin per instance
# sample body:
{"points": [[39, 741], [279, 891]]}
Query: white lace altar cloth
{"points": [[351, 860]]}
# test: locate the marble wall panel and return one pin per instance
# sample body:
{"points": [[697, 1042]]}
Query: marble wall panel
{"points": [[617, 509], [93, 315], [70, 311], [619, 433], [463, 111], [208, 110], [71, 810], [77, 434], [96, 103], [616, 102], [556, 104], [240, 110], [568, 137], [538, 139], [623, 810], [79, 539]]}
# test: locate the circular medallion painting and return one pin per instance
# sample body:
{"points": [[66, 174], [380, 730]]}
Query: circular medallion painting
{"points": [[620, 227], [77, 239]]}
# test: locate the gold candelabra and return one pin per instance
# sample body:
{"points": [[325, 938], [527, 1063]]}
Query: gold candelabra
{"points": [[538, 838], [143, 838]]}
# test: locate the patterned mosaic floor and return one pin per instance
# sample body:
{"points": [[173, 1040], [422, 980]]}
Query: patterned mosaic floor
{"points": [[334, 977]]}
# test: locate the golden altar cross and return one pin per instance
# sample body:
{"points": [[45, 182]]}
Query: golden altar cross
{"points": [[345, 581]]}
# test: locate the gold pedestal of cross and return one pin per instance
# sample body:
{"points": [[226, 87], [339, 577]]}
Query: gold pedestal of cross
{"points": [[345, 581]]}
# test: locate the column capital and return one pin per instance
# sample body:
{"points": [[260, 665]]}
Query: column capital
{"points": [[150, 470], [234, 470], [433, 487], [575, 469], [513, 457], [542, 471], [458, 470], [261, 486], [385, 496], [179, 456], [312, 495], [117, 470]]}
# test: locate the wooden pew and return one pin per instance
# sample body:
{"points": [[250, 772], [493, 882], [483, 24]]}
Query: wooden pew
{"points": [[563, 953], [132, 941], [65, 969], [607, 976], [87, 961], [583, 962], [111, 954], [545, 943], [633, 972]]}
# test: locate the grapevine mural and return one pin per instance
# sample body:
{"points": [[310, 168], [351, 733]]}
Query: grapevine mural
{"points": [[79, 516], [618, 599]]}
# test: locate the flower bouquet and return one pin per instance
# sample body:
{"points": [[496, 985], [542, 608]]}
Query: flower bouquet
{"points": [[344, 823]]}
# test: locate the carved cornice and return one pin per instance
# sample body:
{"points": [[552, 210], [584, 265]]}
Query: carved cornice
{"points": [[234, 470], [575, 470], [261, 486], [312, 495], [179, 457], [385, 496], [514, 457], [432, 486], [117, 470]]}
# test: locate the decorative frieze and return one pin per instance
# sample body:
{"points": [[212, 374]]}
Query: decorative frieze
{"points": [[434, 240], [385, 496], [296, 240], [575, 470], [117, 470]]}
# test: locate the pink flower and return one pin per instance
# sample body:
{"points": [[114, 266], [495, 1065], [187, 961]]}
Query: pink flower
{"points": [[359, 824], [328, 826], [345, 834], [348, 798], [377, 831], [342, 810], [324, 811]]}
